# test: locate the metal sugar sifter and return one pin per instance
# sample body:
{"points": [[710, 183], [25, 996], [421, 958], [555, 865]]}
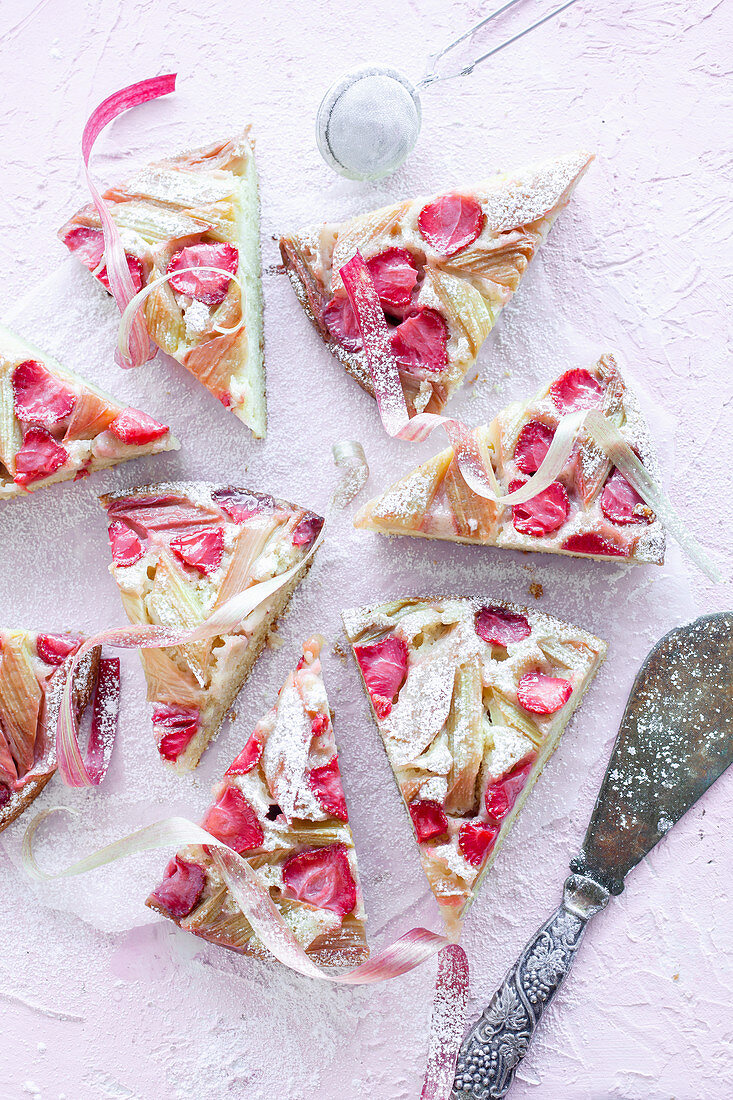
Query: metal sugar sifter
{"points": [[369, 121]]}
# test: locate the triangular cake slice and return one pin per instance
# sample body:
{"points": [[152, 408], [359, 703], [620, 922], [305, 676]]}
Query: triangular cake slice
{"points": [[33, 672], [179, 551], [55, 426], [470, 699], [590, 511], [281, 803], [199, 209], [444, 268]]}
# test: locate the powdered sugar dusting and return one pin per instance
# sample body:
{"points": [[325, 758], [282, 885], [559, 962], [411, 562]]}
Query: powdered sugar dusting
{"points": [[632, 259]]}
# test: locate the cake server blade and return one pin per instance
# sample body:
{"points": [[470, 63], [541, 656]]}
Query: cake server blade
{"points": [[675, 740]]}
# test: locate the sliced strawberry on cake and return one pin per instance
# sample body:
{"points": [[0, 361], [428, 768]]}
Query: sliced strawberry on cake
{"points": [[196, 210], [282, 805], [444, 268], [179, 552], [56, 426], [33, 673], [590, 510], [470, 699]]}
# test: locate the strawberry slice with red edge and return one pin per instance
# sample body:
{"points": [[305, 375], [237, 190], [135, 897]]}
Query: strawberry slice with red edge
{"points": [[55, 648], [136, 428], [451, 222], [325, 782], [621, 503], [590, 542], [180, 726], [394, 274], [428, 817], [250, 755], [501, 795], [180, 890], [340, 320], [542, 514], [542, 694], [209, 287], [307, 529], [498, 626], [322, 877], [233, 820], [576, 389], [126, 546], [201, 549], [40, 456], [420, 342], [476, 840], [384, 668], [532, 446], [39, 397], [88, 246]]}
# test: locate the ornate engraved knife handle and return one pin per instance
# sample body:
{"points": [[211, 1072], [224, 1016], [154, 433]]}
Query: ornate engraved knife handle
{"points": [[499, 1040]]}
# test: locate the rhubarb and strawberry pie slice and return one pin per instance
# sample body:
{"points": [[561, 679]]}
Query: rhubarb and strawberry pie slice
{"points": [[590, 510], [196, 210], [55, 426], [282, 806], [444, 268], [470, 699], [179, 552], [33, 673]]}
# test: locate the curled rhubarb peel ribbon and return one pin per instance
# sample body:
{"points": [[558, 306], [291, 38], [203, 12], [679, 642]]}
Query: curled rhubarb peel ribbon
{"points": [[132, 316], [349, 457], [479, 474], [78, 771], [118, 273], [410, 950]]}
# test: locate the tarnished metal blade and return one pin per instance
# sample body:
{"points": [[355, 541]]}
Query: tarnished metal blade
{"points": [[675, 740]]}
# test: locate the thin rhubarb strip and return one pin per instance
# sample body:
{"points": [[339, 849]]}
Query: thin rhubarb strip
{"points": [[118, 273], [409, 951], [80, 771], [349, 457], [105, 711], [132, 316], [478, 475]]}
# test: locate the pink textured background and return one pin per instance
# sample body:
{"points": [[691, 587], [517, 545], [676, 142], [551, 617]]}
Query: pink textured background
{"points": [[100, 1003]]}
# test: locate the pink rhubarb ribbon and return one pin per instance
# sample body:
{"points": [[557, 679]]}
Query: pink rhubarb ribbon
{"points": [[118, 273], [409, 951]]}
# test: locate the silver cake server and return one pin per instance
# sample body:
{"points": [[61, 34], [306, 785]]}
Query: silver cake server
{"points": [[675, 740]]}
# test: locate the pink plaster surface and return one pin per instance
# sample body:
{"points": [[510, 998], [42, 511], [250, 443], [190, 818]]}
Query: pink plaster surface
{"points": [[99, 1001]]}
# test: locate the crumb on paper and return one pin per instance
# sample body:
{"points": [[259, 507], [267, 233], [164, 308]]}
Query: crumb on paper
{"points": [[536, 589]]}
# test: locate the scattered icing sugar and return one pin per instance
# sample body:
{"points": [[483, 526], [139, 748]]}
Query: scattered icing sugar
{"points": [[304, 1039]]}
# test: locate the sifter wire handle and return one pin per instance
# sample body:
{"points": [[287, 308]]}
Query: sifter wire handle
{"points": [[431, 77]]}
